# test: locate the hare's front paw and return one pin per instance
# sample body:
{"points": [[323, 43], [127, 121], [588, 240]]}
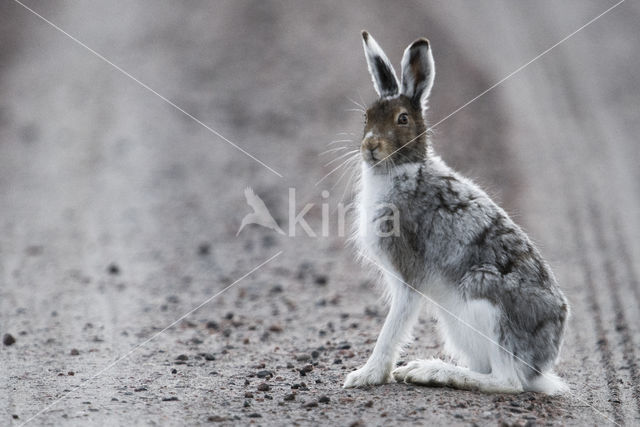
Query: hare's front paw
{"points": [[367, 375]]}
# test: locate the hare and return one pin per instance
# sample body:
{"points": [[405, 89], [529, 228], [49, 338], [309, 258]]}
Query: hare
{"points": [[436, 236]]}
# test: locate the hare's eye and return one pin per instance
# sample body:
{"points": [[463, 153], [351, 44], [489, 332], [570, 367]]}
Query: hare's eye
{"points": [[403, 119]]}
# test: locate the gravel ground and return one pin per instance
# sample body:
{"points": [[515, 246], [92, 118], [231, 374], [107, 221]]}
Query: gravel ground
{"points": [[118, 214]]}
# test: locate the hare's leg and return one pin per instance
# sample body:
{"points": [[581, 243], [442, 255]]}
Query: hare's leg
{"points": [[405, 306]]}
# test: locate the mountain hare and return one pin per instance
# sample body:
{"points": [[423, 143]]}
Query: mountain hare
{"points": [[436, 236]]}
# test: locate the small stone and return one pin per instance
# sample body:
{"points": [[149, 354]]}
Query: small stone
{"points": [[204, 248], [303, 357], [211, 324], [15, 416], [315, 354], [209, 356], [369, 404], [344, 346], [8, 339], [248, 395], [174, 371], [71, 373], [307, 368], [74, 352], [216, 419], [170, 399], [321, 280], [289, 397], [140, 389], [312, 404], [254, 415], [264, 374], [229, 316], [324, 399], [246, 404], [113, 269], [276, 289], [263, 387], [182, 357], [275, 328]]}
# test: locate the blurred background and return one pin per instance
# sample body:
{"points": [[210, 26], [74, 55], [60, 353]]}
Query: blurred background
{"points": [[119, 212]]}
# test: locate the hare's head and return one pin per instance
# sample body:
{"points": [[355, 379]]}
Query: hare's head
{"points": [[395, 129]]}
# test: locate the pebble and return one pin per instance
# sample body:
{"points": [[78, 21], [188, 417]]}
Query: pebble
{"points": [[204, 248], [246, 404], [209, 356], [254, 415], [324, 399], [307, 368], [174, 371], [170, 399], [113, 269], [182, 357], [321, 280], [303, 357], [264, 374], [211, 324], [290, 397], [248, 395], [312, 404], [74, 352], [344, 346], [275, 328], [8, 339], [263, 387], [315, 354]]}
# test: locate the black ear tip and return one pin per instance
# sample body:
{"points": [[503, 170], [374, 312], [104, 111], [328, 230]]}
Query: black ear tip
{"points": [[420, 42], [365, 35]]}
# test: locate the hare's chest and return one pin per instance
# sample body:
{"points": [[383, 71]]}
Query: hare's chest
{"points": [[378, 218]]}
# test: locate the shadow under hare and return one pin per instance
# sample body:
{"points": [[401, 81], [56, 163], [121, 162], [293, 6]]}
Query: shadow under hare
{"points": [[438, 238]]}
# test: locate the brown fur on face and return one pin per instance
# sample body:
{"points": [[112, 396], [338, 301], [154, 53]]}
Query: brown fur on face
{"points": [[385, 140]]}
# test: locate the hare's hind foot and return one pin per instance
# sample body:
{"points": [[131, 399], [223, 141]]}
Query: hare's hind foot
{"points": [[437, 373]]}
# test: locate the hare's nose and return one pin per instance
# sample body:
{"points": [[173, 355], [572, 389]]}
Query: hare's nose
{"points": [[371, 144]]}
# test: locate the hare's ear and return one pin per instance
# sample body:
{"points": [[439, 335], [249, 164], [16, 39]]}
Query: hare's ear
{"points": [[382, 73], [418, 71]]}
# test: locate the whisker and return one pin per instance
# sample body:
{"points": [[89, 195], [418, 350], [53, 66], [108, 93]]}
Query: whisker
{"points": [[340, 140], [334, 169], [361, 99], [347, 186], [341, 156], [356, 103], [346, 170], [332, 150], [355, 109]]}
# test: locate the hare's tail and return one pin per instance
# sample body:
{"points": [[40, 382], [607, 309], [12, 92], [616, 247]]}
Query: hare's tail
{"points": [[548, 383]]}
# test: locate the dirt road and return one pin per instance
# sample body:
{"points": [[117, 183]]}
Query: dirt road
{"points": [[119, 213]]}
